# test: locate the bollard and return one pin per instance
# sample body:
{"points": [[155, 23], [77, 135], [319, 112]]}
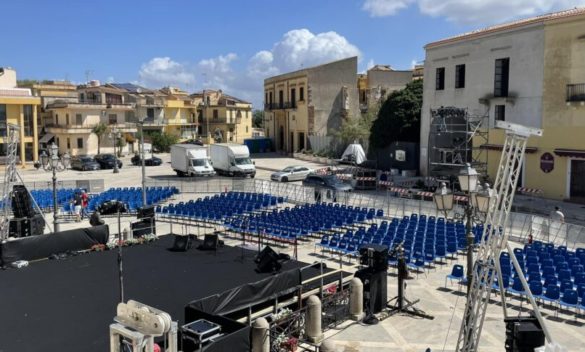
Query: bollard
{"points": [[327, 346], [313, 322], [260, 339], [356, 299]]}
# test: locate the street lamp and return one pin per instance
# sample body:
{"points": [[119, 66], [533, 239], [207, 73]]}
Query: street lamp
{"points": [[468, 179], [443, 198], [141, 124], [115, 135], [484, 199], [52, 162]]}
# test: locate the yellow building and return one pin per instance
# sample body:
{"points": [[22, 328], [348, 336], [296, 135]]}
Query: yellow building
{"points": [[222, 115], [19, 107], [179, 113]]}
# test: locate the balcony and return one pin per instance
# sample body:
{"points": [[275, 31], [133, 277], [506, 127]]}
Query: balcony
{"points": [[86, 128], [280, 106], [224, 121], [576, 92]]}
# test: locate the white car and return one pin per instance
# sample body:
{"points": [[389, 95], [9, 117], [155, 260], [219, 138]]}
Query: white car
{"points": [[291, 173]]}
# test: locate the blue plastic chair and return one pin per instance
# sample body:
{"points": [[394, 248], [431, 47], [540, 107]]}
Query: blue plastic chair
{"points": [[457, 273], [552, 294], [570, 299]]}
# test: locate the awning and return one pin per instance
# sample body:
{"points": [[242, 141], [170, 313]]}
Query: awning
{"points": [[46, 138], [529, 150], [573, 153]]}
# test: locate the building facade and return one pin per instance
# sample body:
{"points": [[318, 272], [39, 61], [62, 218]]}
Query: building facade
{"points": [[530, 72], [222, 116], [179, 113], [303, 109], [19, 107], [378, 82]]}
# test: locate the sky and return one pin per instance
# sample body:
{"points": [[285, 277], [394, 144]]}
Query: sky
{"points": [[232, 44]]}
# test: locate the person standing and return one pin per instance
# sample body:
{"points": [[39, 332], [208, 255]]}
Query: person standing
{"points": [[77, 204], [557, 220], [84, 203]]}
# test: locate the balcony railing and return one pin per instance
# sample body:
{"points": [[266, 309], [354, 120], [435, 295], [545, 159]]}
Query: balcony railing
{"points": [[280, 106], [73, 126], [576, 92]]}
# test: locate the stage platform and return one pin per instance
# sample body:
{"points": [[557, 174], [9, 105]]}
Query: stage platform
{"points": [[68, 305]]}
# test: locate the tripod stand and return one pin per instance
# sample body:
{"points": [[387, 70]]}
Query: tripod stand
{"points": [[401, 304]]}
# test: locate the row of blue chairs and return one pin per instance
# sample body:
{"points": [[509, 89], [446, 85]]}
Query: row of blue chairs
{"points": [[44, 197], [132, 196], [220, 206]]}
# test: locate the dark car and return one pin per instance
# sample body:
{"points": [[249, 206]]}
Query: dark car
{"points": [[193, 141], [84, 163], [326, 186], [152, 161], [107, 161]]}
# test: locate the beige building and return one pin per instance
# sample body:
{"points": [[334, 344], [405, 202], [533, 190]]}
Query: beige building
{"points": [[378, 82], [302, 109], [530, 72], [179, 113], [72, 123], [19, 107], [149, 105], [222, 115]]}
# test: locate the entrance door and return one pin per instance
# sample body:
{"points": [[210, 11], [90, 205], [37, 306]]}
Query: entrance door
{"points": [[301, 141], [281, 138], [291, 146], [578, 180]]}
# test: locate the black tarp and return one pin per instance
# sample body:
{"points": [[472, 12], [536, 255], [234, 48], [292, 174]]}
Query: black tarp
{"points": [[42, 246], [249, 294]]}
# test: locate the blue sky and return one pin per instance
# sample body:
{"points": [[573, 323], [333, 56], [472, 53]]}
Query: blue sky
{"points": [[231, 44]]}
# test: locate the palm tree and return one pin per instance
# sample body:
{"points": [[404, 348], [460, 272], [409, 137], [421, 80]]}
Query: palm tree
{"points": [[99, 130]]}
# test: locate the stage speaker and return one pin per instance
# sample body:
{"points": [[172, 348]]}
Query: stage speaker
{"points": [[523, 334], [21, 203], [181, 243], [145, 212], [374, 256], [145, 226], [25, 227], [375, 288], [210, 242], [111, 207], [267, 261]]}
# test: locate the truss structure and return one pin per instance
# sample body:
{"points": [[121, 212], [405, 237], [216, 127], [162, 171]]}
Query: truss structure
{"points": [[10, 174], [455, 139], [495, 240]]}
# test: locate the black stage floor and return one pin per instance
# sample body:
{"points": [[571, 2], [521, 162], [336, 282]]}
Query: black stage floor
{"points": [[68, 305]]}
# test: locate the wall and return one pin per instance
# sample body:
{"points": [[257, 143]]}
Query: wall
{"points": [[8, 78], [524, 47]]}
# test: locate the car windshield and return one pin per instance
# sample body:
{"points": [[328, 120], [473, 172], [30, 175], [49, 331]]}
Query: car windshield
{"points": [[86, 160], [199, 162], [288, 169], [243, 161], [107, 156], [331, 180]]}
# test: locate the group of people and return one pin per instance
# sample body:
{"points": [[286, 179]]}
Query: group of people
{"points": [[79, 205]]}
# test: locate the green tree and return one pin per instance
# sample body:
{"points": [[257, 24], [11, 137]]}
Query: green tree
{"points": [[100, 130], [399, 117], [163, 141], [258, 119]]}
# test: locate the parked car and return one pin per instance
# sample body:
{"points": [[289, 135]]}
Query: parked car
{"points": [[193, 141], [291, 173], [107, 161], [152, 161], [327, 187], [84, 163]]}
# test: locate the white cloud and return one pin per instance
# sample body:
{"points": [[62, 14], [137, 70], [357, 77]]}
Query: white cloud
{"points": [[162, 71], [382, 8], [471, 11]]}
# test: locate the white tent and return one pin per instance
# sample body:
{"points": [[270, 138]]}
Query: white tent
{"points": [[354, 153]]}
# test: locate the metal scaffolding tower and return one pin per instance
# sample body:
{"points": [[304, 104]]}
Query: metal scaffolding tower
{"points": [[12, 133]]}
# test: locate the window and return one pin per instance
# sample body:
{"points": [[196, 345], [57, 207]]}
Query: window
{"points": [[57, 119], [501, 77], [280, 99], [215, 114], [302, 93], [27, 111], [270, 98], [79, 143], [440, 78], [266, 97], [150, 113], [112, 119], [68, 143], [3, 121], [246, 129], [67, 119], [460, 76], [500, 112], [79, 119], [293, 97]]}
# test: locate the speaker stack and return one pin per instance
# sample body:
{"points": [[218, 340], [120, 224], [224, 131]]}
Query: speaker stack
{"points": [[523, 334], [374, 276], [268, 261], [145, 225], [26, 221]]}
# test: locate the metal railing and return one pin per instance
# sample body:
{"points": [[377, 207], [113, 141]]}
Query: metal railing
{"points": [[576, 92]]}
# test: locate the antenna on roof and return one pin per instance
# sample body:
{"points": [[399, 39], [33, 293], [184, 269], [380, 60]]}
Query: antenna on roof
{"points": [[88, 73]]}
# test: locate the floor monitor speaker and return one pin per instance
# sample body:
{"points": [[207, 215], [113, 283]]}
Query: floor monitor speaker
{"points": [[267, 261], [181, 243], [210, 242]]}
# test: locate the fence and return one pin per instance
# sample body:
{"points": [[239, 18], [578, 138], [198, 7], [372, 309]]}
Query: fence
{"points": [[519, 227]]}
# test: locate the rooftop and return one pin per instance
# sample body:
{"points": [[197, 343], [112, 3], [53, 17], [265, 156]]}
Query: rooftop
{"points": [[305, 69], [510, 25]]}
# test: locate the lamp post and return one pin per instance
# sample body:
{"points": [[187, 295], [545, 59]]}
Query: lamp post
{"points": [[141, 123], [468, 178], [54, 163], [115, 135], [443, 198], [204, 112]]}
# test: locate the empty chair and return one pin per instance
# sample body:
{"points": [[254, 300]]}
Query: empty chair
{"points": [[536, 289], [457, 273], [551, 294], [517, 287], [570, 299]]}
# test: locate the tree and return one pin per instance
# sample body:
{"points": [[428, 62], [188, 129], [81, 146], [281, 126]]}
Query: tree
{"points": [[354, 130], [399, 117], [163, 141], [99, 130], [258, 119]]}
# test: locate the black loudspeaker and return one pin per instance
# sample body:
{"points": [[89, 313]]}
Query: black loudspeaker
{"points": [[375, 289], [523, 334], [145, 212], [374, 256], [21, 203], [111, 207], [145, 226], [24, 227], [267, 261], [181, 243], [210, 242]]}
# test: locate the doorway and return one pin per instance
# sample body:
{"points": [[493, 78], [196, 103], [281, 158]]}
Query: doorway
{"points": [[577, 190], [281, 138], [301, 141], [291, 146]]}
